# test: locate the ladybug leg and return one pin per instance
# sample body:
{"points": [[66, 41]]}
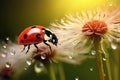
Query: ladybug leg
{"points": [[24, 48], [36, 46], [47, 45], [28, 48]]}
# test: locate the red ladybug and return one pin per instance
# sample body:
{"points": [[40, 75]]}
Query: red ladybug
{"points": [[36, 34]]}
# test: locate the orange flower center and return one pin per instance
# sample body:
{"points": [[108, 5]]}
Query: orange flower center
{"points": [[94, 28]]}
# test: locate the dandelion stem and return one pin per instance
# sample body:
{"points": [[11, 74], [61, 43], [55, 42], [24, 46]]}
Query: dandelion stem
{"points": [[107, 61], [116, 64], [99, 58], [52, 72], [61, 72]]}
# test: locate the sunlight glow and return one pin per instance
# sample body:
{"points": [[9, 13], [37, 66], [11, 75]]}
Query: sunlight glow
{"points": [[77, 5]]}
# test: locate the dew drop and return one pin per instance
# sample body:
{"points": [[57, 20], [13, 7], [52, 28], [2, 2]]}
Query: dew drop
{"points": [[8, 65], [76, 78], [29, 62], [3, 54], [7, 38], [43, 56], [12, 52], [114, 45], [93, 52], [91, 69], [26, 68], [38, 67], [4, 46], [104, 59], [70, 57]]}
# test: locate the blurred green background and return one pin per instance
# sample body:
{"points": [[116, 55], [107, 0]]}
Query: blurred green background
{"points": [[15, 15]]}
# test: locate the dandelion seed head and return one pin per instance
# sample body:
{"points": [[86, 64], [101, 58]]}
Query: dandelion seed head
{"points": [[58, 54], [75, 34], [43, 54], [11, 56]]}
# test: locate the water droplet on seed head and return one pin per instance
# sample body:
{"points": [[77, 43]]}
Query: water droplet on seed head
{"points": [[25, 68], [29, 62], [114, 45], [12, 52], [93, 52], [70, 57], [8, 65], [104, 59], [3, 55], [43, 56], [4, 46], [38, 67]]}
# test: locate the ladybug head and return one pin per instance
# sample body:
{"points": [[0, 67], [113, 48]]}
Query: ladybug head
{"points": [[51, 37], [54, 39]]}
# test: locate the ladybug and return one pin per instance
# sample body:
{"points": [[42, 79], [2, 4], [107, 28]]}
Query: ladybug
{"points": [[36, 34]]}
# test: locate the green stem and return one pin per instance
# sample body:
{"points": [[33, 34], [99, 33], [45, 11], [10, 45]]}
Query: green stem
{"points": [[99, 58], [52, 72], [61, 72], [107, 61], [116, 64], [100, 65]]}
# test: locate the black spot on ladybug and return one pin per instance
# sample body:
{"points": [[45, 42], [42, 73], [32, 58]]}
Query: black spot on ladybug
{"points": [[22, 41], [25, 36], [38, 36], [43, 28], [33, 27]]}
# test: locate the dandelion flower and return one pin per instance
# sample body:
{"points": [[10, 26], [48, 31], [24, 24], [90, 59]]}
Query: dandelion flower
{"points": [[77, 33], [90, 30]]}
